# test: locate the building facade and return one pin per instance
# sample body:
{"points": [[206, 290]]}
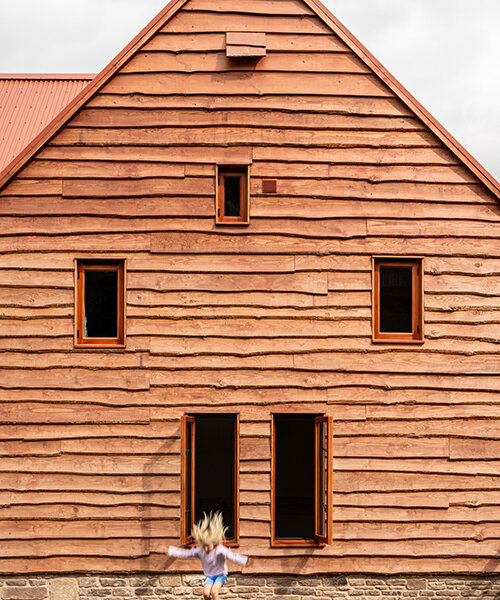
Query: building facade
{"points": [[245, 270]]}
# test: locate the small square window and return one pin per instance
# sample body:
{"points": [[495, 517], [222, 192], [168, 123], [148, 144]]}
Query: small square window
{"points": [[100, 314], [232, 195], [398, 301]]}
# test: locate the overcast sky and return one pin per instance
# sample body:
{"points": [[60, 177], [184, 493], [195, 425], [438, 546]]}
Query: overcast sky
{"points": [[446, 52]]}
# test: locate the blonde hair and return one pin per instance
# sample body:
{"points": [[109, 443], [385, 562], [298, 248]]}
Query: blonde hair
{"points": [[210, 530]]}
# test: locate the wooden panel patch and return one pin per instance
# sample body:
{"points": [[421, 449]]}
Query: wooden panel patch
{"points": [[245, 44]]}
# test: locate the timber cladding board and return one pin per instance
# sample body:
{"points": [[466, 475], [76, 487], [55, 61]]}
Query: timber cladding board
{"points": [[273, 318]]}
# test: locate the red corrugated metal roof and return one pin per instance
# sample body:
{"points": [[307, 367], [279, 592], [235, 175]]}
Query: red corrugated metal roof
{"points": [[28, 103]]}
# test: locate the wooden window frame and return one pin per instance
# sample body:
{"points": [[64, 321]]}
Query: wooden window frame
{"points": [[81, 266], [318, 541], [188, 432], [417, 336], [243, 172]]}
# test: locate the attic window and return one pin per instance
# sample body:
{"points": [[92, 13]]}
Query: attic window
{"points": [[245, 45]]}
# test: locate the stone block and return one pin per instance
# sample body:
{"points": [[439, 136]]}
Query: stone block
{"points": [[24, 593], [64, 588]]}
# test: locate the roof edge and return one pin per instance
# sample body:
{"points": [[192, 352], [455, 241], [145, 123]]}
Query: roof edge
{"points": [[93, 87], [47, 76], [335, 25], [405, 96]]}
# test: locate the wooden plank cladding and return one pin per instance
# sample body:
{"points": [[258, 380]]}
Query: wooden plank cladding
{"points": [[271, 318]]}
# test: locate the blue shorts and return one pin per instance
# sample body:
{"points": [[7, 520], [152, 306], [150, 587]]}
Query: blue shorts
{"points": [[211, 580]]}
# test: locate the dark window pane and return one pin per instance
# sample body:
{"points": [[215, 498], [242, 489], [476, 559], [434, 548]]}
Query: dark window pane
{"points": [[101, 304], [294, 478], [214, 468], [396, 299], [232, 196]]}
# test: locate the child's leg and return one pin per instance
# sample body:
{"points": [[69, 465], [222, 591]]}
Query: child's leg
{"points": [[215, 590], [206, 591]]}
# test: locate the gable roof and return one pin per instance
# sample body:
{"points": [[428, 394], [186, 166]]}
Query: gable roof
{"points": [[326, 16], [28, 103]]}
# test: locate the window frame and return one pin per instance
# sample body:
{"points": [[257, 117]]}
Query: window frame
{"points": [[81, 266], [243, 172], [417, 336], [318, 541], [188, 434]]}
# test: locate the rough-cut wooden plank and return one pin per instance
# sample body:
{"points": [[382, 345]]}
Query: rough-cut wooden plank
{"points": [[414, 531], [15, 226], [199, 22], [227, 243], [102, 465], [202, 206], [200, 299], [473, 428], [299, 282], [388, 482], [421, 465], [375, 157], [137, 483], [229, 312], [60, 413], [431, 411], [279, 562], [246, 378], [33, 187], [241, 136], [461, 449], [402, 501], [187, 62], [66, 429], [116, 117], [210, 42], [259, 83], [110, 530], [115, 188], [75, 378], [98, 170], [457, 403], [76, 512], [398, 363], [280, 7], [388, 447], [451, 516], [249, 327], [103, 243], [409, 228]]}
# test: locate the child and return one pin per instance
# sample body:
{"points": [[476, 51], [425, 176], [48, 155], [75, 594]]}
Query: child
{"points": [[209, 534]]}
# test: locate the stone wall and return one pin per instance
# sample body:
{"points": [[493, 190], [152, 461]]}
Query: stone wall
{"points": [[246, 587]]}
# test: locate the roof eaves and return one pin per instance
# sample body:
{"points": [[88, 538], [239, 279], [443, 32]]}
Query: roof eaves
{"points": [[94, 86], [405, 96], [47, 76]]}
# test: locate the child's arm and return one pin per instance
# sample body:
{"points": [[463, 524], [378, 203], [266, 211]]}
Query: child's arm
{"points": [[241, 559], [182, 552]]}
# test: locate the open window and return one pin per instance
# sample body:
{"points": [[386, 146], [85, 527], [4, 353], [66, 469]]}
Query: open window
{"points": [[302, 480], [210, 472], [232, 195], [397, 300], [100, 304]]}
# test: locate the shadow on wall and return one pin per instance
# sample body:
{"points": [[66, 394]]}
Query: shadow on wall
{"points": [[151, 559]]}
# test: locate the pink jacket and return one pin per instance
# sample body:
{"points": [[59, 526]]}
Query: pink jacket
{"points": [[214, 562]]}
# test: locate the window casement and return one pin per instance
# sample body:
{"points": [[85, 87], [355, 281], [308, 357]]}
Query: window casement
{"points": [[398, 300], [232, 197], [302, 487], [210, 472], [100, 304]]}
